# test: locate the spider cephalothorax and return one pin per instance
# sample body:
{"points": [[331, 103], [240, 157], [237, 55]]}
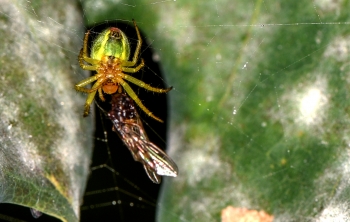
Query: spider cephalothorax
{"points": [[109, 58]]}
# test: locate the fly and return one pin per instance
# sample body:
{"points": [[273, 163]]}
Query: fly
{"points": [[128, 125]]}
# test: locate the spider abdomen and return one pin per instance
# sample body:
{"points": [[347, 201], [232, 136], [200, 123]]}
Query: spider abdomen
{"points": [[111, 42]]}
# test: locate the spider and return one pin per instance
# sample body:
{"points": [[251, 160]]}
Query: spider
{"points": [[109, 57]]}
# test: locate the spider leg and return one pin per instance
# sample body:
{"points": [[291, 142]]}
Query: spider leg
{"points": [[133, 96], [143, 84], [88, 102], [83, 55], [100, 94], [92, 92], [90, 98], [79, 85], [138, 48], [133, 70], [83, 58]]}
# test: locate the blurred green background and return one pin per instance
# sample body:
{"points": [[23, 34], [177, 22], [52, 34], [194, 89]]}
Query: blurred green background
{"points": [[259, 114]]}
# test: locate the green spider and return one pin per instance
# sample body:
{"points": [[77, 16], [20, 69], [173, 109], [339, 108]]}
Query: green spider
{"points": [[109, 56]]}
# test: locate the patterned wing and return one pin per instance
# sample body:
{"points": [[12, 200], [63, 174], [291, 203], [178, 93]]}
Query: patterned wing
{"points": [[129, 127]]}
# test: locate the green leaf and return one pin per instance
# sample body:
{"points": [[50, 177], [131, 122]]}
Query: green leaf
{"points": [[260, 111], [44, 151]]}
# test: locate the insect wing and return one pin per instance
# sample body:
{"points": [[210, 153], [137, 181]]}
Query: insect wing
{"points": [[128, 126], [154, 160], [162, 163], [35, 213]]}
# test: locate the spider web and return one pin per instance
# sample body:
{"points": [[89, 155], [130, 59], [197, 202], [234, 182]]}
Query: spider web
{"points": [[259, 111]]}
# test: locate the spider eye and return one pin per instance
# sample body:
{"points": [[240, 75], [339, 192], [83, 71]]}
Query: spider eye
{"points": [[115, 34]]}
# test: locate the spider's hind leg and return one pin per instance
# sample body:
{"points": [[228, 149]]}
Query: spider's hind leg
{"points": [[88, 102]]}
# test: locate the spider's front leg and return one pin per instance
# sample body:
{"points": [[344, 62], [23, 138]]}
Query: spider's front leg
{"points": [[133, 70], [83, 56], [137, 50]]}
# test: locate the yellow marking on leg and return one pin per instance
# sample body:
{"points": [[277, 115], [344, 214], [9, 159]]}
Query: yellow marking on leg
{"points": [[143, 84], [133, 96]]}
